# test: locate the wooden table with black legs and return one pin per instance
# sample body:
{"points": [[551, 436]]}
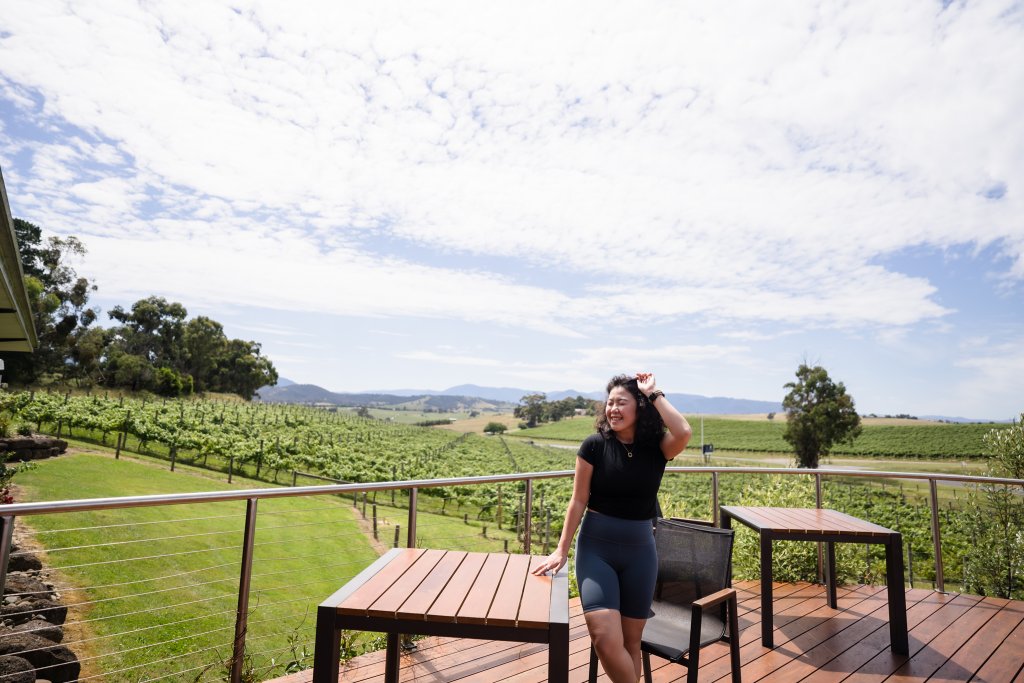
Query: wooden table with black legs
{"points": [[830, 527], [492, 596]]}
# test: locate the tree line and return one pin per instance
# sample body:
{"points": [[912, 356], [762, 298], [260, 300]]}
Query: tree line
{"points": [[534, 409], [153, 345]]}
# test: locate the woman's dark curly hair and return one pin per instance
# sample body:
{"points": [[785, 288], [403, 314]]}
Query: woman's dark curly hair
{"points": [[649, 425]]}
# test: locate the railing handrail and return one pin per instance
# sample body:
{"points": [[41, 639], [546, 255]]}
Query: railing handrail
{"points": [[87, 504], [937, 476]]}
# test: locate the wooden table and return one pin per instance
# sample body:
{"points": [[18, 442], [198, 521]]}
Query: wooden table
{"points": [[491, 596], [831, 527]]}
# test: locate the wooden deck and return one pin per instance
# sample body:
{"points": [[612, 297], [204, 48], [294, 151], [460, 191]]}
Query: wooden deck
{"points": [[952, 638]]}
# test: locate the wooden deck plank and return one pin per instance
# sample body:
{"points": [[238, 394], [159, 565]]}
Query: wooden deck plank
{"points": [[926, 661], [1007, 662], [973, 654], [856, 612], [873, 651], [885, 663]]}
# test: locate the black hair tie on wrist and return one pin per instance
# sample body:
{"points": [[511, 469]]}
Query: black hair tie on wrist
{"points": [[655, 395]]}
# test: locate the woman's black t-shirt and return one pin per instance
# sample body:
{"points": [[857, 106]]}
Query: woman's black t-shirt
{"points": [[623, 486]]}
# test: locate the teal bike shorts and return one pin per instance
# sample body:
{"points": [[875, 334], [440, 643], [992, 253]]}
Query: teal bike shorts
{"points": [[616, 564]]}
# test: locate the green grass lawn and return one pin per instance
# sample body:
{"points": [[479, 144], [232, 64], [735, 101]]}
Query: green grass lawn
{"points": [[154, 589]]}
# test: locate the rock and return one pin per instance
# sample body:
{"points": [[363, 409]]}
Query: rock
{"points": [[24, 562], [16, 670], [30, 608], [21, 583], [59, 664], [39, 627]]}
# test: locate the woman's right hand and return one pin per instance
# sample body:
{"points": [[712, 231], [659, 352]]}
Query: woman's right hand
{"points": [[552, 563]]}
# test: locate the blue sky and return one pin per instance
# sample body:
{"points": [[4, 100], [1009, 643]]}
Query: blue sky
{"points": [[420, 195]]}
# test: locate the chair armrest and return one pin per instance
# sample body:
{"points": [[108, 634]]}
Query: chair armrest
{"points": [[715, 598]]}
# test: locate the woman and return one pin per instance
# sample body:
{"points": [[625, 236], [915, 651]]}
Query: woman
{"points": [[618, 472]]}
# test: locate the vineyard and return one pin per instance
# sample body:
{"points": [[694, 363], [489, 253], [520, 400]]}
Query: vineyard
{"points": [[278, 443], [929, 440]]}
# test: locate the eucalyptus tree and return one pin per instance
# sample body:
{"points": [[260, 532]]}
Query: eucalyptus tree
{"points": [[819, 415]]}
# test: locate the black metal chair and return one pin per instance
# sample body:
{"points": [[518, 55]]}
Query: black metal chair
{"points": [[694, 603]]}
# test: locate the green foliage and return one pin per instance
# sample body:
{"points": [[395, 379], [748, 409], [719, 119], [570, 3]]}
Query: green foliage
{"points": [[819, 413], [156, 349], [495, 428], [994, 521], [1007, 449], [58, 299], [535, 408], [531, 409]]}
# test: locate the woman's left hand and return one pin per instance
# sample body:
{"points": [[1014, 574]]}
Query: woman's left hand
{"points": [[645, 382]]}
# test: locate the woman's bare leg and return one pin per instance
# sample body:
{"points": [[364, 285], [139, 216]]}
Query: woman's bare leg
{"points": [[632, 634], [617, 641]]}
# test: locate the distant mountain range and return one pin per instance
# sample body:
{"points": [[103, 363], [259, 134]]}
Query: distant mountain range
{"points": [[500, 399]]}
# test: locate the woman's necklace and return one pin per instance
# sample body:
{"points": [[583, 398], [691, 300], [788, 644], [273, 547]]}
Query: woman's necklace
{"points": [[629, 453]]}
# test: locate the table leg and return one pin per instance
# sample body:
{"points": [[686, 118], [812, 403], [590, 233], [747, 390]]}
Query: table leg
{"points": [[767, 626], [327, 645], [391, 659], [558, 654], [830, 574], [898, 638]]}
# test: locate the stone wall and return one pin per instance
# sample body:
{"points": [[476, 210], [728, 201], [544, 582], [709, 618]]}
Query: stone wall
{"points": [[31, 612], [35, 447], [31, 626]]}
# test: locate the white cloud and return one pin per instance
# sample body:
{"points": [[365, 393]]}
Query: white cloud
{"points": [[996, 376], [560, 169]]}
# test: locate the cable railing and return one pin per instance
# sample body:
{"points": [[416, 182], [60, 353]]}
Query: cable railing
{"points": [[275, 574]]}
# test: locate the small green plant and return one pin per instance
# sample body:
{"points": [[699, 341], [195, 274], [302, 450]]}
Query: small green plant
{"points": [[5, 426], [6, 475], [300, 654], [24, 429]]}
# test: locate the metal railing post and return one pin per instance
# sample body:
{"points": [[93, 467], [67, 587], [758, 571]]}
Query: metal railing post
{"points": [[821, 553], [411, 536], [244, 582], [933, 499], [6, 535], [528, 517], [715, 514]]}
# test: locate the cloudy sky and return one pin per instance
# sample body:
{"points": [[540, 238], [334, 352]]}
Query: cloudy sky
{"points": [[539, 195]]}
